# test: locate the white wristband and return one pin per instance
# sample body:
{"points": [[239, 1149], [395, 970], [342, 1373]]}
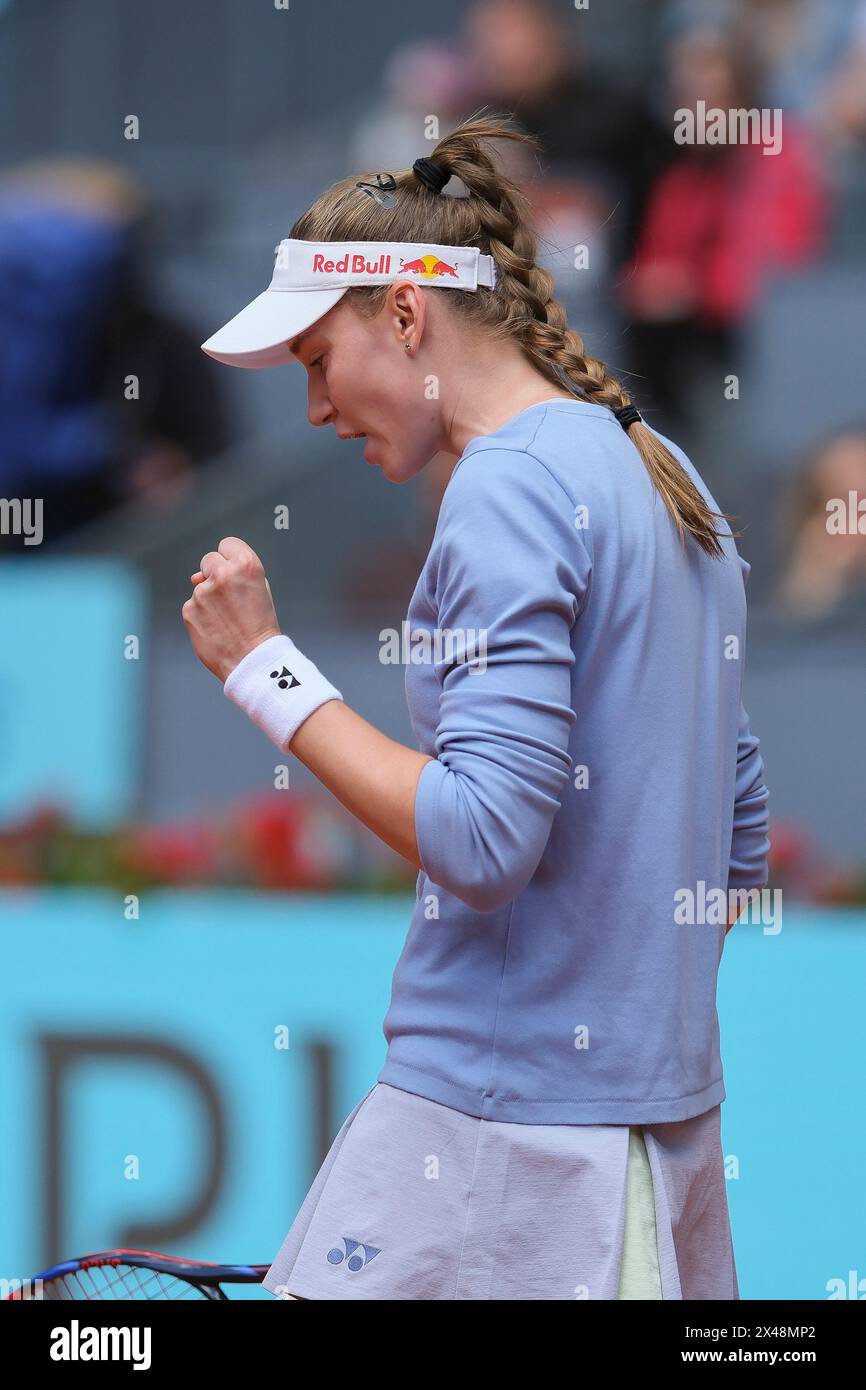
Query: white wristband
{"points": [[278, 687]]}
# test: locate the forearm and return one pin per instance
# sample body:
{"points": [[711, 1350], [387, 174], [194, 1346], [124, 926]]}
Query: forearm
{"points": [[372, 775]]}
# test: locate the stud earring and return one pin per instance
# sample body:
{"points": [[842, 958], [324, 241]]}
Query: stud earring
{"points": [[408, 347]]}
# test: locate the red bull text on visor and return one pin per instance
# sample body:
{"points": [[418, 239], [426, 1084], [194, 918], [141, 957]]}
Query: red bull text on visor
{"points": [[357, 264]]}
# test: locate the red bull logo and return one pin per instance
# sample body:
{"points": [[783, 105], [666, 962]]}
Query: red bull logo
{"points": [[351, 264], [356, 263], [429, 267]]}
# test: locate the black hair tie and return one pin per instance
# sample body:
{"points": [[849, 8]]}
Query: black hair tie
{"points": [[628, 415], [431, 174]]}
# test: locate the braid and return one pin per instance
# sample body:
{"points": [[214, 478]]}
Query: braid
{"points": [[549, 341], [539, 322], [496, 216]]}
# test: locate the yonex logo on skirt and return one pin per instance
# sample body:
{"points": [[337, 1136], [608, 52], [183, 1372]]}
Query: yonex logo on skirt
{"points": [[354, 1260]]}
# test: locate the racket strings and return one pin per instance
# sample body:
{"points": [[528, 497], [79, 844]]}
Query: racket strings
{"points": [[120, 1282]]}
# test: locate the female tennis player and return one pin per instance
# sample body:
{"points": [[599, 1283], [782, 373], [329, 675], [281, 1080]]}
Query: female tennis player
{"points": [[587, 796]]}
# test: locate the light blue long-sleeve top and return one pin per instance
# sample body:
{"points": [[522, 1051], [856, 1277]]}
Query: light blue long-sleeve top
{"points": [[592, 766]]}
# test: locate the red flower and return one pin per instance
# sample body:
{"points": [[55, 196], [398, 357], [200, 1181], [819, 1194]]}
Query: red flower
{"points": [[285, 842], [173, 854]]}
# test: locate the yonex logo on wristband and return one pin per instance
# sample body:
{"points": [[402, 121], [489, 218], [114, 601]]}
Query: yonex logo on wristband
{"points": [[278, 687], [281, 678]]}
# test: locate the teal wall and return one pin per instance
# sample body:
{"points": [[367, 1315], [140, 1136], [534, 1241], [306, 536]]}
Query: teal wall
{"points": [[70, 699], [129, 1037]]}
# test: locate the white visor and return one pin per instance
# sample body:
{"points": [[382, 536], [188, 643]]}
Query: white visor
{"points": [[311, 276]]}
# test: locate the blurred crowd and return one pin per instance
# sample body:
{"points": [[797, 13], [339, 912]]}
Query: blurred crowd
{"points": [[685, 241], [105, 398], [106, 401]]}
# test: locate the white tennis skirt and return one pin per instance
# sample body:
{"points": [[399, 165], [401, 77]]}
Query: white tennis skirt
{"points": [[416, 1200]]}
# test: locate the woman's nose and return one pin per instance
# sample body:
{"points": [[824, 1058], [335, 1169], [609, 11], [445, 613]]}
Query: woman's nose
{"points": [[319, 411]]}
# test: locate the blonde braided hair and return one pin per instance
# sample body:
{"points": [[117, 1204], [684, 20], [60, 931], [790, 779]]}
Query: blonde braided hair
{"points": [[496, 217]]}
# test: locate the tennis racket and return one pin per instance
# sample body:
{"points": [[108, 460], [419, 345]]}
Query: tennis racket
{"points": [[137, 1274]]}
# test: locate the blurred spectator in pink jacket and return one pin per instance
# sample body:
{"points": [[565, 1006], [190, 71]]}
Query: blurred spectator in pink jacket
{"points": [[720, 222]]}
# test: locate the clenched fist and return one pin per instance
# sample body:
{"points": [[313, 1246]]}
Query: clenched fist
{"points": [[231, 609]]}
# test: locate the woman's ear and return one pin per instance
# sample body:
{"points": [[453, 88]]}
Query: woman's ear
{"points": [[408, 312]]}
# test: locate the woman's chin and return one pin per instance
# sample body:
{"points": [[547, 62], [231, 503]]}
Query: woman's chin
{"points": [[376, 454], [373, 456]]}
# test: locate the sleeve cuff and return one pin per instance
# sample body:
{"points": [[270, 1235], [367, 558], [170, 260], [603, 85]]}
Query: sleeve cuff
{"points": [[427, 818]]}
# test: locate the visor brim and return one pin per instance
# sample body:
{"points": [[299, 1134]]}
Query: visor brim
{"points": [[259, 335]]}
